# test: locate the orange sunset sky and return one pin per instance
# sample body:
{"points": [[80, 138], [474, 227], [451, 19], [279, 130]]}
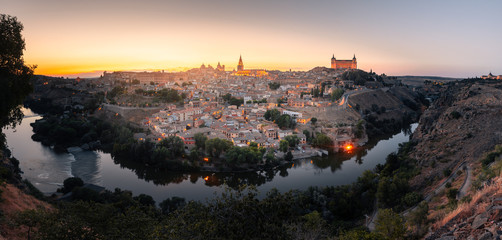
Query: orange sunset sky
{"points": [[444, 38]]}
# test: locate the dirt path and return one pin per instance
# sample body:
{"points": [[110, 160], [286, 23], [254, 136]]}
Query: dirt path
{"points": [[467, 183]]}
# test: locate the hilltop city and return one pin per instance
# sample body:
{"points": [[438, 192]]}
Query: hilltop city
{"points": [[244, 106]]}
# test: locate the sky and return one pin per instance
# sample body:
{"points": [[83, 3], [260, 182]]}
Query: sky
{"points": [[451, 38]]}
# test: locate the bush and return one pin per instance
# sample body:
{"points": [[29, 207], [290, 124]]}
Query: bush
{"points": [[489, 158], [412, 198], [452, 194], [70, 183], [5, 173], [455, 115], [447, 172]]}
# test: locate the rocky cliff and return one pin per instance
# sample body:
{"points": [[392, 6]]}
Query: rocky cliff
{"points": [[387, 110], [461, 125], [460, 128]]}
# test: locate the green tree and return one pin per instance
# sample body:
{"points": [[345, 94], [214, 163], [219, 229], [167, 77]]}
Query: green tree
{"points": [[447, 172], [29, 218], [322, 141], [307, 135], [270, 157], [194, 155], [284, 146], [171, 204], [200, 141], [337, 94], [239, 155], [90, 220], [412, 198], [389, 225], [14, 73], [358, 76], [285, 121], [227, 97], [272, 115], [145, 200], [452, 194], [313, 120], [216, 146], [174, 144], [70, 183], [359, 129], [293, 140], [359, 234], [274, 85], [236, 214], [391, 190]]}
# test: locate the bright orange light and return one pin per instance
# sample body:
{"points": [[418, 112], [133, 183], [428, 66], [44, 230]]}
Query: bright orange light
{"points": [[206, 178], [160, 139], [349, 147], [206, 159]]}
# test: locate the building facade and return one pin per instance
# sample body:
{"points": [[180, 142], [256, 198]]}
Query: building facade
{"points": [[345, 64]]}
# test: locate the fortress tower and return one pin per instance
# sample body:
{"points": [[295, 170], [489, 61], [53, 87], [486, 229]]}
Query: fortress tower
{"points": [[345, 64]]}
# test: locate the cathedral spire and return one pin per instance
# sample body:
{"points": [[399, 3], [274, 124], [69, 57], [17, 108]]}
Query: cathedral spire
{"points": [[240, 66]]}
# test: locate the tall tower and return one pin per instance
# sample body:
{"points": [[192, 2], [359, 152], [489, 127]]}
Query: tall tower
{"points": [[240, 66], [354, 62], [333, 62]]}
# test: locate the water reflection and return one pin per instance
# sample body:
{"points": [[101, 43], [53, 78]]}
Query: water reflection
{"points": [[333, 162], [47, 169]]}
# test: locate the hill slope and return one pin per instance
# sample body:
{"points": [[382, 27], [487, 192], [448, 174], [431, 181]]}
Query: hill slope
{"points": [[463, 124]]}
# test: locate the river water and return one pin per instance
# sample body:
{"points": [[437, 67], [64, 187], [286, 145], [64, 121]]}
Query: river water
{"points": [[47, 169]]}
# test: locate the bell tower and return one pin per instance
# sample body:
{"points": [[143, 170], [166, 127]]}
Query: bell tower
{"points": [[333, 62], [240, 66]]}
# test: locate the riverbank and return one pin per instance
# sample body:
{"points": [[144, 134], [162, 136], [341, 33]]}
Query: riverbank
{"points": [[47, 169]]}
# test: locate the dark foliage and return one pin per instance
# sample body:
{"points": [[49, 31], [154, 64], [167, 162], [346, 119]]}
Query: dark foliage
{"points": [[14, 73]]}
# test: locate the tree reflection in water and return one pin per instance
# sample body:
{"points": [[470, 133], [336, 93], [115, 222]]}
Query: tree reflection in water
{"points": [[234, 179]]}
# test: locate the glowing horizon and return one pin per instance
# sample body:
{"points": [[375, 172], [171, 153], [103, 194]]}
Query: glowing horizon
{"points": [[442, 38]]}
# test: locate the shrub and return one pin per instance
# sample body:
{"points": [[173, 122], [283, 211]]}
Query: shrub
{"points": [[70, 183], [455, 115], [452, 194], [447, 172]]}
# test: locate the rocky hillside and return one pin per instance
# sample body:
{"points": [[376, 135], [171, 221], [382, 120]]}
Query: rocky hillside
{"points": [[463, 124], [457, 134], [480, 218], [14, 198], [387, 110]]}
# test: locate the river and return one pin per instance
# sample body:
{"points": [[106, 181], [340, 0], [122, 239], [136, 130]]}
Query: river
{"points": [[47, 169]]}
